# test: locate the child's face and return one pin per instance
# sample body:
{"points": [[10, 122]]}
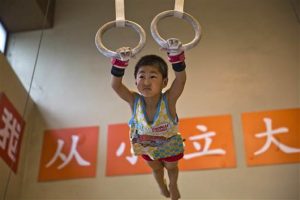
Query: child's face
{"points": [[149, 81]]}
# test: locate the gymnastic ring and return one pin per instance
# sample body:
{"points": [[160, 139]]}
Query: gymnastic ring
{"points": [[112, 54], [173, 13]]}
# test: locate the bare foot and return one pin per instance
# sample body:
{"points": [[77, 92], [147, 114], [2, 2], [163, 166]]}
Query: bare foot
{"points": [[164, 190], [174, 192]]}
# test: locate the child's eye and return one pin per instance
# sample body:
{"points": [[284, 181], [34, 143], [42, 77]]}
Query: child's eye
{"points": [[153, 76]]}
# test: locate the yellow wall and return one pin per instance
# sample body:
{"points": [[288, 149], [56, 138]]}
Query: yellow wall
{"points": [[247, 60], [10, 183]]}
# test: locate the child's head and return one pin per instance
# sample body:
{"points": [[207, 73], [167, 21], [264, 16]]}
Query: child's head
{"points": [[151, 75], [155, 61]]}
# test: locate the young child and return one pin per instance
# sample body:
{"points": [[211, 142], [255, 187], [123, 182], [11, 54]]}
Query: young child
{"points": [[154, 123]]}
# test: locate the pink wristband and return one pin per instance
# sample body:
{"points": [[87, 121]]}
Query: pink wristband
{"points": [[177, 58], [119, 63]]}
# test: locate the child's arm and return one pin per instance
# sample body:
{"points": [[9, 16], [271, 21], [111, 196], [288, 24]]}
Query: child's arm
{"points": [[176, 58], [117, 71], [122, 90]]}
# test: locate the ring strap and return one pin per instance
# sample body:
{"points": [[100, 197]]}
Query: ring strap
{"points": [[120, 13], [179, 7]]}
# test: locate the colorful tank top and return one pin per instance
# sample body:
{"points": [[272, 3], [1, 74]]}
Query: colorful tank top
{"points": [[157, 139]]}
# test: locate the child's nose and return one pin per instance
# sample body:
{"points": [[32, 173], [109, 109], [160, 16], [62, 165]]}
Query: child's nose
{"points": [[147, 81]]}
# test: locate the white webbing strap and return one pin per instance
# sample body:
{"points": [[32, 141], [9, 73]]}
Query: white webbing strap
{"points": [[179, 7], [120, 13]]}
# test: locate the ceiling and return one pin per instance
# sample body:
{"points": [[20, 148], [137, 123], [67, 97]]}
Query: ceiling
{"points": [[26, 15]]}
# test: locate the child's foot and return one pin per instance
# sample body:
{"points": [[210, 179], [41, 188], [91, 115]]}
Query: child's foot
{"points": [[164, 190], [174, 192]]}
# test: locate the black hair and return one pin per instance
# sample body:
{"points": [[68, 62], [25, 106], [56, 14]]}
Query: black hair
{"points": [[152, 60]]}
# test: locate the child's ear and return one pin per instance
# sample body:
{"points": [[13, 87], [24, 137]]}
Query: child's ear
{"points": [[165, 82]]}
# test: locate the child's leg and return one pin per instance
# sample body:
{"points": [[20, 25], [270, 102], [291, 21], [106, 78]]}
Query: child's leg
{"points": [[172, 168], [158, 172]]}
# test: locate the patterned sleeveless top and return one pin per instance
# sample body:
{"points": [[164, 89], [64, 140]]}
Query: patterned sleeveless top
{"points": [[157, 139]]}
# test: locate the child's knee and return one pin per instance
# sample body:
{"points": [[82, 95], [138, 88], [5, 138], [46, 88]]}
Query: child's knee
{"points": [[171, 166], [156, 166], [158, 169]]}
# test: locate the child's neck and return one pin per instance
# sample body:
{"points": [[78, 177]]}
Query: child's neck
{"points": [[152, 101]]}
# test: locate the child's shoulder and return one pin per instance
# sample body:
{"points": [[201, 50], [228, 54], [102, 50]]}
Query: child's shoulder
{"points": [[165, 94], [136, 95]]}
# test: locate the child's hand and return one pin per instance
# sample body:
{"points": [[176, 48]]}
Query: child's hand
{"points": [[174, 46], [125, 53], [175, 50]]}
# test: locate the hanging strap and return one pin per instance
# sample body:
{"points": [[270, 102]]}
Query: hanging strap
{"points": [[120, 13], [179, 8]]}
